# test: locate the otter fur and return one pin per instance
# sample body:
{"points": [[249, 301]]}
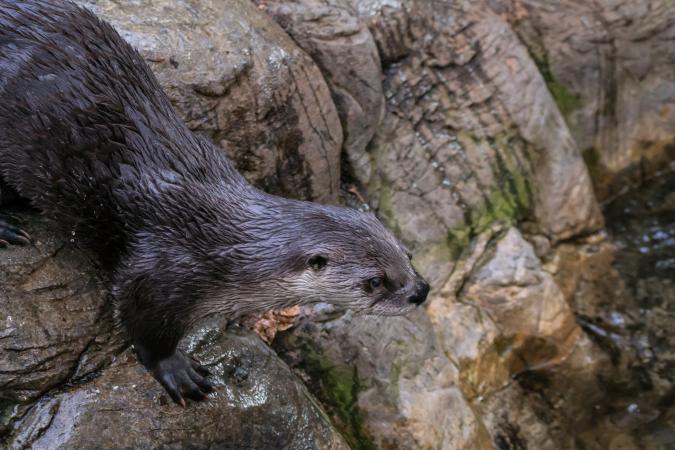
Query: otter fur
{"points": [[88, 137]]}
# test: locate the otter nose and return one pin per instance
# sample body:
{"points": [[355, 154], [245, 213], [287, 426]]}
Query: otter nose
{"points": [[421, 291]]}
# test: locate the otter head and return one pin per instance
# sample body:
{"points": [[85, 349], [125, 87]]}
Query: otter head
{"points": [[348, 258]]}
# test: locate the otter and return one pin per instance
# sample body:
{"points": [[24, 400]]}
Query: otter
{"points": [[89, 138]]}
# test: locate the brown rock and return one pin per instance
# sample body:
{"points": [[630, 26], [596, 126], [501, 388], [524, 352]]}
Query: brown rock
{"points": [[502, 314], [55, 319], [609, 64], [472, 135], [258, 404], [345, 51]]}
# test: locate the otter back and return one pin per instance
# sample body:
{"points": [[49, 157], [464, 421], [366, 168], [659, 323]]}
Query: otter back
{"points": [[82, 115]]}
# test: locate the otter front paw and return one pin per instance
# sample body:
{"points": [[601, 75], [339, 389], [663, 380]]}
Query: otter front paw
{"points": [[181, 376], [12, 235]]}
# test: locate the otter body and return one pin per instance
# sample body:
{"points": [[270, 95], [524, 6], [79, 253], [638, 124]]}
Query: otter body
{"points": [[89, 138]]}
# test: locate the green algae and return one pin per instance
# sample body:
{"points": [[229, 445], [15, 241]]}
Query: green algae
{"points": [[509, 202], [337, 387], [567, 101]]}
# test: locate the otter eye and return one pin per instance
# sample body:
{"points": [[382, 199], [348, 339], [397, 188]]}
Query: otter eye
{"points": [[375, 282], [317, 262]]}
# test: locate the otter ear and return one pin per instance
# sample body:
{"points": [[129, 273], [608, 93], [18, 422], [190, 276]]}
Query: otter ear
{"points": [[317, 262]]}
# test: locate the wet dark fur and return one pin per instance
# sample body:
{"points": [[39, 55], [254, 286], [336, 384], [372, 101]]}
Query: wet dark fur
{"points": [[89, 138]]}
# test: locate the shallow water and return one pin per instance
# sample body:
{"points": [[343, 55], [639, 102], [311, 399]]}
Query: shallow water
{"points": [[636, 323]]}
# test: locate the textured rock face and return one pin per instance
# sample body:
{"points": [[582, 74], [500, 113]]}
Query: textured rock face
{"points": [[344, 49], [461, 123], [385, 381], [236, 77], [509, 315], [55, 324], [259, 404], [471, 140], [472, 135], [609, 65]]}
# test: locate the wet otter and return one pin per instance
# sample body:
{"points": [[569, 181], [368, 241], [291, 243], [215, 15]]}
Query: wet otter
{"points": [[89, 138]]}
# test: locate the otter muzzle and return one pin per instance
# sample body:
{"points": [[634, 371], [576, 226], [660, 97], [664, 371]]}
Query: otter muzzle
{"points": [[421, 292]]}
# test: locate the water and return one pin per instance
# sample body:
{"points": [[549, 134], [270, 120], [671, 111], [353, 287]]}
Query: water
{"points": [[634, 322]]}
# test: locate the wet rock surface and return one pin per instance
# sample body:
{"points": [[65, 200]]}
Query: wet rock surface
{"points": [[615, 389], [55, 321], [633, 322], [258, 404]]}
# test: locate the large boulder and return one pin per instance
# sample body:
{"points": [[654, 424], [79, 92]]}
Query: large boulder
{"points": [[236, 77], [259, 404], [610, 67]]}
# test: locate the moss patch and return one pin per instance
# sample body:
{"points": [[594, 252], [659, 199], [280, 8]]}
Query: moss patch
{"points": [[509, 202], [567, 101], [337, 388]]}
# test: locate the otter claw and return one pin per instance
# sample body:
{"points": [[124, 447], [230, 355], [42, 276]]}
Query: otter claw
{"points": [[182, 377], [12, 235]]}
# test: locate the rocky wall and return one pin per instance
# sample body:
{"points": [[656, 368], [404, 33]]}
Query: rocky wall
{"points": [[438, 115]]}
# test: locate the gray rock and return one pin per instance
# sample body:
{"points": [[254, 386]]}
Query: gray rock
{"points": [[259, 404], [55, 320], [609, 65], [385, 382], [346, 53]]}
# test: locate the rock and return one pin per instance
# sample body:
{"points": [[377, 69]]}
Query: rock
{"points": [[385, 382], [515, 423], [258, 404], [345, 51], [233, 75], [471, 135], [501, 314], [512, 287], [471, 143], [609, 65], [55, 320]]}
